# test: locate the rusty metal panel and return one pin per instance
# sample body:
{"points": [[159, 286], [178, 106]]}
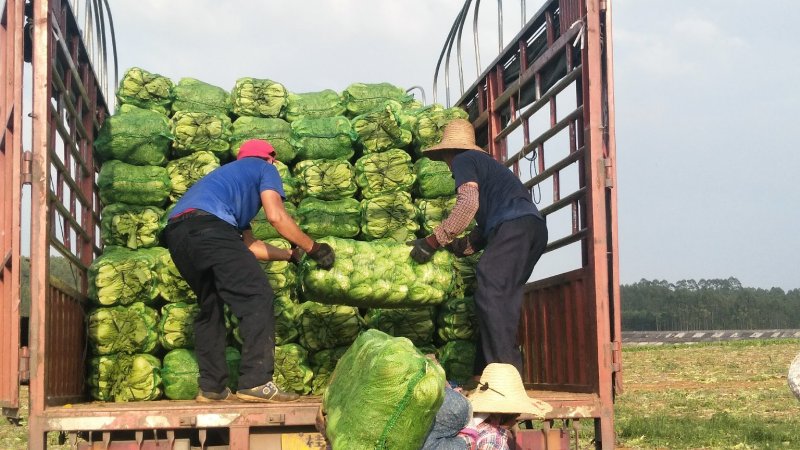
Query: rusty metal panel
{"points": [[571, 12], [11, 63]]}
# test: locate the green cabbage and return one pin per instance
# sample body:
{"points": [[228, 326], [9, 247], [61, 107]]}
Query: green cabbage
{"points": [[277, 132], [466, 279], [431, 212], [457, 320], [135, 185], [258, 98], [136, 136], [176, 329], [434, 179], [320, 218], [286, 312], [323, 363], [458, 360], [431, 122], [123, 329], [180, 372], [383, 394], [391, 216], [291, 369], [261, 227], [132, 226], [325, 103], [282, 275], [381, 129], [196, 131], [186, 171], [414, 324], [323, 138], [125, 378], [121, 276], [326, 179], [145, 90], [196, 96], [328, 326], [170, 284], [233, 358], [361, 98], [383, 173]]}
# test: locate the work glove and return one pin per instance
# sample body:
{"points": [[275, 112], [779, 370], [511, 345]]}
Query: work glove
{"points": [[297, 255], [424, 248], [323, 255], [467, 245]]}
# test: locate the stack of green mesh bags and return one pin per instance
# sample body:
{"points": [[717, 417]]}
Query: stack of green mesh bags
{"points": [[353, 176]]}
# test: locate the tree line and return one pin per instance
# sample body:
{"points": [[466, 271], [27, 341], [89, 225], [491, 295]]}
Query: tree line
{"points": [[715, 304]]}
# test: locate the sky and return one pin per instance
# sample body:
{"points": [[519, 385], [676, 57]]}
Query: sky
{"points": [[705, 94]]}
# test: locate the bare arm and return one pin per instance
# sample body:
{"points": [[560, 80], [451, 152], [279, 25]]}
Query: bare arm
{"points": [[264, 251], [283, 222]]}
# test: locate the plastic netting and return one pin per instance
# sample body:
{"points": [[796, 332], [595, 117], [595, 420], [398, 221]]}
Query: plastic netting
{"points": [[125, 378], [169, 282], [261, 227], [197, 96], [323, 138], [176, 328], [431, 212], [186, 171], [201, 131], [415, 324], [320, 218], [258, 98], [361, 98], [291, 369], [179, 373], [135, 185], [326, 179], [384, 173], [325, 103], [430, 123], [121, 276], [389, 216], [381, 129], [123, 329], [457, 320], [328, 326], [135, 136], [434, 179], [282, 275], [144, 89], [323, 364], [466, 277], [131, 226], [277, 132], [458, 360]]}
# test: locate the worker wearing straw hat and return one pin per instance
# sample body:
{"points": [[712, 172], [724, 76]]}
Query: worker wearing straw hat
{"points": [[510, 229]]}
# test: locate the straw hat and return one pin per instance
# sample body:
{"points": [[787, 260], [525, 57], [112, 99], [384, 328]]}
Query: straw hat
{"points": [[458, 135], [501, 391]]}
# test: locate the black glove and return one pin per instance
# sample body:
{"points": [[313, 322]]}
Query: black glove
{"points": [[297, 255], [323, 255], [424, 248], [473, 242]]}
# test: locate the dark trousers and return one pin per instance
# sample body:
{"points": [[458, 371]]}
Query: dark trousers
{"points": [[210, 254], [503, 270]]}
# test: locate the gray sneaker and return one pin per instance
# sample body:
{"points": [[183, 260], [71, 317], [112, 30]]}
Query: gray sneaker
{"points": [[207, 396], [266, 393]]}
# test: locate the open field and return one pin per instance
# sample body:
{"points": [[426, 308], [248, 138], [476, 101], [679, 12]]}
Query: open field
{"points": [[729, 395]]}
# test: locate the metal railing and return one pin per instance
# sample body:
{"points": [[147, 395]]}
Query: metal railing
{"points": [[97, 27]]}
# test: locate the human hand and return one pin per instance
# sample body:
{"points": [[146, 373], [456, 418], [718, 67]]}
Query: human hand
{"points": [[424, 248], [323, 255]]}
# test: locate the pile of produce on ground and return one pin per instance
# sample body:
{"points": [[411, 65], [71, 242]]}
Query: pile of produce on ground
{"points": [[353, 177]]}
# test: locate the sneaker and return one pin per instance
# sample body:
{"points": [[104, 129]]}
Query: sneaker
{"points": [[266, 393], [206, 396]]}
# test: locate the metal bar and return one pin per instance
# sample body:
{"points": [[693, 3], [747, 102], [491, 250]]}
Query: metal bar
{"points": [[71, 107], [563, 242], [441, 58], [565, 201], [500, 26], [66, 214], [458, 52], [563, 163], [62, 169], [546, 135], [475, 39], [66, 253]]}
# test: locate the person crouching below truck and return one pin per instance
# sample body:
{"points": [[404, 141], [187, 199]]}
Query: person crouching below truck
{"points": [[510, 229], [212, 245]]}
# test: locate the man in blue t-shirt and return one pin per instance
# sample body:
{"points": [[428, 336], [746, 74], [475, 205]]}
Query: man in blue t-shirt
{"points": [[213, 247], [510, 229]]}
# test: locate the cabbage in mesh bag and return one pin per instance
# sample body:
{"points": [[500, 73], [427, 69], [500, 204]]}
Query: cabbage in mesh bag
{"points": [[233, 358], [382, 129], [328, 326], [323, 138], [291, 369], [277, 132], [383, 394], [196, 131], [136, 136], [193, 95], [169, 282], [135, 185], [186, 171], [458, 360], [125, 378], [378, 274], [180, 372], [121, 276], [282, 275], [466, 279], [264, 230], [430, 124], [320, 218], [361, 98], [431, 212], [323, 363], [391, 216], [286, 313], [383, 173], [132, 226], [258, 98], [326, 179], [325, 103], [415, 324], [457, 320], [145, 90], [123, 329], [176, 328], [434, 179]]}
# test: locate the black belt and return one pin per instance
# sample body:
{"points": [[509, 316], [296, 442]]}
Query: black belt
{"points": [[188, 215]]}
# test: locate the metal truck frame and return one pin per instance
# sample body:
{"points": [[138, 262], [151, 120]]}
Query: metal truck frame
{"points": [[570, 332]]}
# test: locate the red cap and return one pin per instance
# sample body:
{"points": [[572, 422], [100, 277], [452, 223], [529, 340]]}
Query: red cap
{"points": [[256, 148]]}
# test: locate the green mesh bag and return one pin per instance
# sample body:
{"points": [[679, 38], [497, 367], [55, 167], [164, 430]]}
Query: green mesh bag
{"points": [[431, 212], [389, 216], [360, 98], [135, 185], [135, 136], [290, 185], [145, 90], [325, 103], [264, 230], [430, 124], [196, 131], [123, 329], [180, 373], [233, 358], [287, 324], [282, 275], [384, 395], [381, 129], [131, 226], [186, 171], [320, 218], [258, 98], [458, 360], [193, 95], [323, 138], [125, 378], [414, 324], [121, 276], [176, 328], [323, 363], [466, 278], [292, 373], [384, 173], [326, 179], [434, 179], [457, 320], [328, 326], [277, 132], [169, 282], [378, 274]]}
